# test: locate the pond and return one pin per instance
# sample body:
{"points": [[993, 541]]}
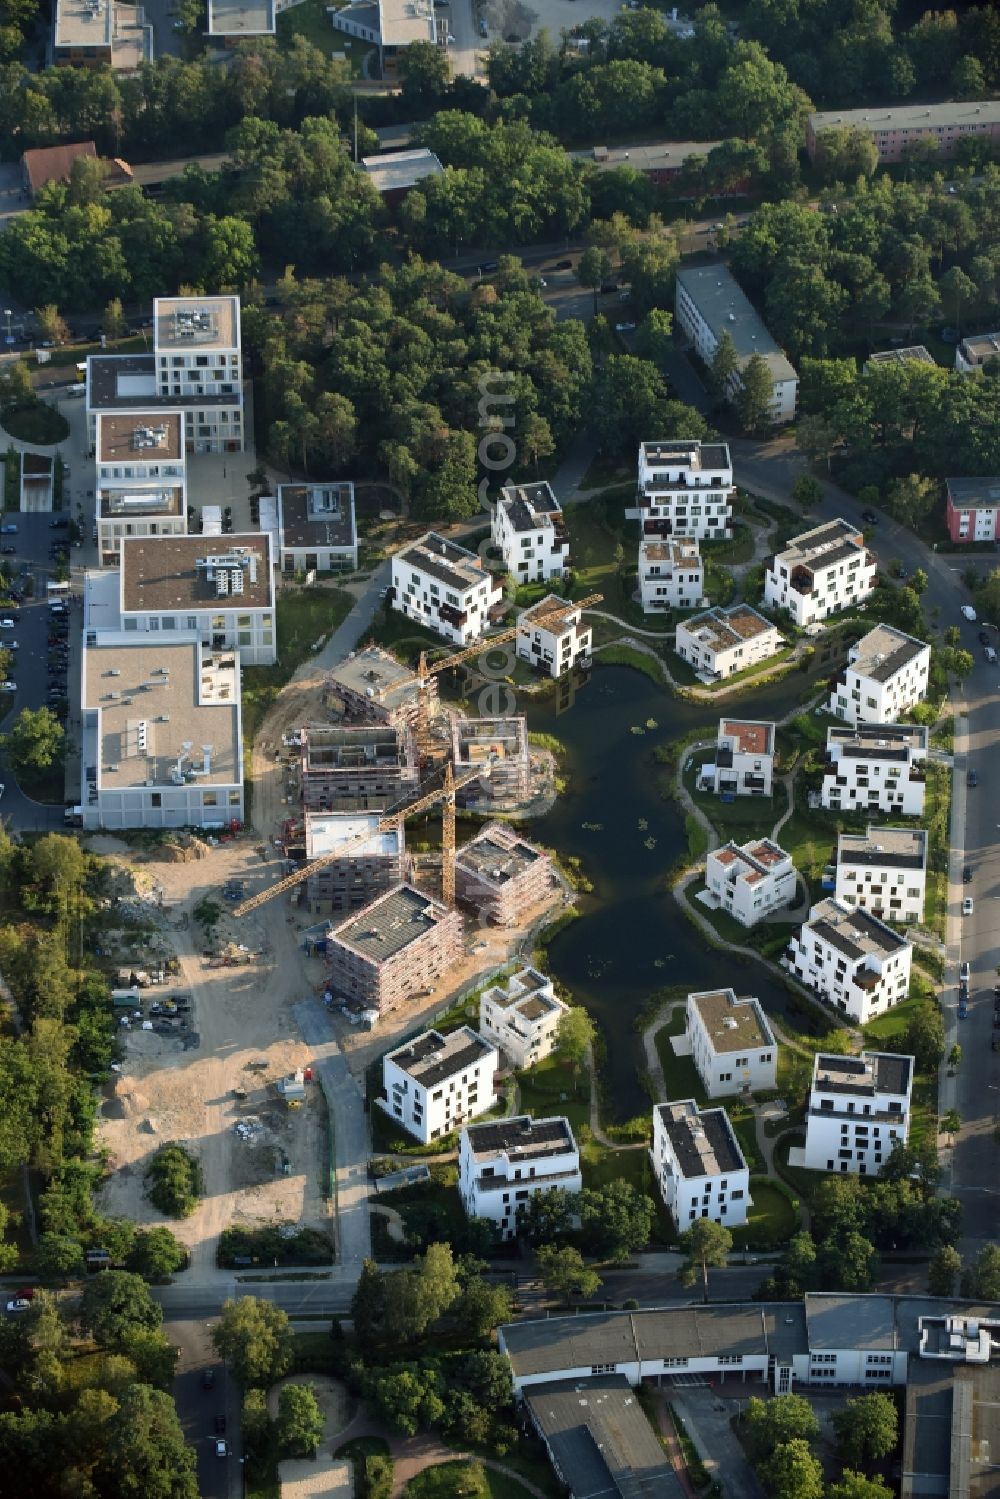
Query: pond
{"points": [[631, 938]]}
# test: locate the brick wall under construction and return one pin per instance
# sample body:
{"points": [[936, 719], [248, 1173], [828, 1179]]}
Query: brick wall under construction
{"points": [[387, 985], [501, 896], [353, 882], [358, 768]]}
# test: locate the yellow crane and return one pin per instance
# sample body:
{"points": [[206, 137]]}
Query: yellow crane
{"points": [[392, 820]]}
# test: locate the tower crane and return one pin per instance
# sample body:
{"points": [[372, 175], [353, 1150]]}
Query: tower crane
{"points": [[392, 820]]}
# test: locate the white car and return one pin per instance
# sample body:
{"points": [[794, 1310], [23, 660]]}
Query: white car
{"points": [[624, 327], [6, 624], [8, 686], [967, 906], [969, 613], [221, 1449], [19, 1304]]}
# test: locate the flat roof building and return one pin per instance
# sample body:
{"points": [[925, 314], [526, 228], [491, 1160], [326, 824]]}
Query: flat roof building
{"points": [[394, 949], [553, 637], [975, 350], [444, 587], [749, 881], [374, 860], [875, 767], [732, 1044], [721, 642], [851, 959], [744, 759], [360, 767], [232, 20], [826, 569], [884, 871], [522, 1017], [896, 126], [709, 301], [858, 1112], [886, 675], [140, 478], [372, 687], [599, 1440], [699, 1166], [504, 1163], [500, 746], [972, 509], [527, 528], [434, 1083], [317, 531], [393, 173], [390, 26], [501, 875], [95, 33], [914, 354]]}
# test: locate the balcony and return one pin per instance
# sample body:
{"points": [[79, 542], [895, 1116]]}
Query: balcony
{"points": [[917, 775], [451, 616], [802, 581], [661, 528]]}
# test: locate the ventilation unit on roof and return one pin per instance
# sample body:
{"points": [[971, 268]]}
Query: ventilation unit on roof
{"points": [[221, 583], [235, 581]]}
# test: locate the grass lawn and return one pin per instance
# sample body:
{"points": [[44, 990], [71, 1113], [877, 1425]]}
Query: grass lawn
{"points": [[627, 655], [773, 1218], [394, 632], [310, 20], [887, 1031], [463, 1480], [48, 785], [596, 529], [811, 839], [36, 422], [679, 1073], [305, 617], [746, 817], [549, 1087]]}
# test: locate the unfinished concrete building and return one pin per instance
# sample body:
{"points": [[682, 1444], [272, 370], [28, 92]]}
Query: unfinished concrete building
{"points": [[375, 860], [500, 746], [501, 876], [372, 687], [395, 949], [365, 766]]}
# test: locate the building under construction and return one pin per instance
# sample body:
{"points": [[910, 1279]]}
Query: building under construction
{"points": [[372, 687], [361, 767], [373, 865], [500, 746], [501, 876], [394, 950]]}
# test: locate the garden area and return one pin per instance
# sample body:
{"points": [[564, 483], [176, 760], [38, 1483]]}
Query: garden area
{"points": [[304, 617]]}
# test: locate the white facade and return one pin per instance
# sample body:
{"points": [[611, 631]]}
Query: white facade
{"points": [[731, 1043], [744, 759], [558, 644], [671, 574], [721, 642], [975, 350], [685, 488], [884, 871], [521, 1017], [859, 1111], [197, 348], [502, 1164], [316, 528], [851, 959], [885, 676], [751, 880], [699, 1165], [434, 1083], [140, 478], [528, 530], [444, 588], [708, 302], [875, 768], [821, 572]]}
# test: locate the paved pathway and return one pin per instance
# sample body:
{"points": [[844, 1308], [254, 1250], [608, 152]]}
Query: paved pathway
{"points": [[662, 1017]]}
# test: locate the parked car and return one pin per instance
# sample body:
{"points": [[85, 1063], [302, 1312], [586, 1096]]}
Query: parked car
{"points": [[8, 686], [963, 1009], [967, 906], [221, 1449], [8, 530], [6, 623], [971, 777], [969, 613], [989, 655], [967, 874], [19, 1304], [8, 550], [964, 972], [564, 265], [869, 517], [624, 327]]}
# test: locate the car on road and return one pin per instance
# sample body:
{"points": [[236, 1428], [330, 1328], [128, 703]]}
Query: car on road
{"points": [[624, 327], [963, 1009], [58, 522], [967, 906], [969, 613], [221, 1447], [563, 265], [8, 551], [8, 530], [989, 655], [964, 972], [489, 265], [869, 517], [967, 874], [6, 623], [207, 1378], [985, 638], [971, 778], [19, 1304]]}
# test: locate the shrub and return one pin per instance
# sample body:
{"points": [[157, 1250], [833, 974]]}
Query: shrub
{"points": [[174, 1181]]}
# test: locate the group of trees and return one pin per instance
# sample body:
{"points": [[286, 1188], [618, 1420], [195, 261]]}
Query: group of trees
{"points": [[614, 1221], [780, 1435]]}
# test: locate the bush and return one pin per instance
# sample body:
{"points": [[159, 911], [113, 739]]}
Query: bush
{"points": [[174, 1181], [273, 1245]]}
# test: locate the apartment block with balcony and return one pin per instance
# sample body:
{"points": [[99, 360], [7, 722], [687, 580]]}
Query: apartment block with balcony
{"points": [[698, 1164], [884, 871], [821, 572], [721, 642], [744, 759], [434, 1083], [893, 127], [851, 959], [521, 1016], [671, 574], [685, 488], [553, 637], [858, 1112], [750, 881], [875, 768], [972, 509], [732, 1044], [527, 528], [140, 478], [885, 676], [505, 1162], [445, 588]]}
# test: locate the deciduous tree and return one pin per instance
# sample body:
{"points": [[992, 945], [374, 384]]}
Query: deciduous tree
{"points": [[706, 1244], [981, 1279], [943, 1271], [755, 394], [783, 1418], [867, 1429], [255, 1340], [300, 1421], [563, 1271], [791, 1472]]}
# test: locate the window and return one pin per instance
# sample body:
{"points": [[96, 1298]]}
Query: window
{"points": [[156, 800], [604, 1368]]}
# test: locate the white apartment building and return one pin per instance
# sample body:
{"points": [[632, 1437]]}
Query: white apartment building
{"points": [[671, 573], [199, 361], [685, 488], [445, 588], [503, 1163], [434, 1083], [528, 530], [851, 959], [162, 740], [744, 759], [224, 592], [141, 478], [316, 528], [821, 572], [699, 1166], [521, 1017], [751, 880], [731, 1043], [883, 871], [721, 642], [875, 768], [553, 637], [975, 350], [708, 302], [859, 1111], [885, 676]]}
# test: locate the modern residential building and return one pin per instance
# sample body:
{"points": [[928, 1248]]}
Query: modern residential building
{"points": [[316, 528], [671, 574], [599, 1440], [370, 865], [445, 588], [161, 733], [851, 959], [394, 173], [394, 950], [858, 1111], [896, 126], [885, 676], [390, 26], [685, 488], [503, 1163], [875, 768], [914, 354], [500, 746], [744, 759], [721, 642], [371, 687], [433, 1083], [225, 593], [140, 478], [553, 637], [708, 302], [976, 350], [883, 871], [698, 1165], [528, 530], [196, 343], [101, 33], [366, 766], [750, 881], [821, 572], [521, 1016], [731, 1043], [213, 410], [231, 21], [501, 875], [972, 509]]}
